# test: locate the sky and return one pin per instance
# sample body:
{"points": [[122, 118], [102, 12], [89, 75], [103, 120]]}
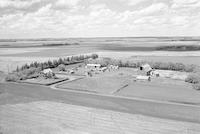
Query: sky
{"points": [[98, 18]]}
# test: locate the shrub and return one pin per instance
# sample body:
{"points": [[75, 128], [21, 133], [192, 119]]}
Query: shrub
{"points": [[61, 67], [193, 78], [50, 76], [196, 86], [25, 74], [12, 77]]}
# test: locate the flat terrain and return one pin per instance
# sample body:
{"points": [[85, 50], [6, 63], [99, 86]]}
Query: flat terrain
{"points": [[48, 117], [110, 102], [106, 47]]}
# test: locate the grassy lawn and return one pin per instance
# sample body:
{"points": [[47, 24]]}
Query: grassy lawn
{"points": [[42, 81], [107, 82]]}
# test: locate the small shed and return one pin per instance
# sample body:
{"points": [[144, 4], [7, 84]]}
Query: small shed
{"points": [[146, 68], [155, 73], [71, 71], [146, 78]]}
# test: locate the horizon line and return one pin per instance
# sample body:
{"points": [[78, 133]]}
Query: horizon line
{"points": [[42, 38]]}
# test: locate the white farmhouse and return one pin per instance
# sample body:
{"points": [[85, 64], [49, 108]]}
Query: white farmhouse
{"points": [[47, 71]]}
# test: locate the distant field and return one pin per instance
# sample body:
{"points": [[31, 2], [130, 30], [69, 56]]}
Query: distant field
{"points": [[175, 59], [140, 48]]}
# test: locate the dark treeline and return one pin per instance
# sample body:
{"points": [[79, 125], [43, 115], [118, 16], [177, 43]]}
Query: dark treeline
{"points": [[118, 47], [179, 48], [33, 70], [55, 63], [154, 65], [60, 44]]}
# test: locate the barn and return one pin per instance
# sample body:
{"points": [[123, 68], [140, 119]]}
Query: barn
{"points": [[146, 68]]}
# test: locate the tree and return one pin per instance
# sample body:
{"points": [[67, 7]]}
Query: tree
{"points": [[61, 67]]}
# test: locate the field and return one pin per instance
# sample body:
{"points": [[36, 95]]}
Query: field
{"points": [[50, 118]]}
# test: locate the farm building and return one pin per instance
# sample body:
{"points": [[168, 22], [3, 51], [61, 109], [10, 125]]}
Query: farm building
{"points": [[146, 68], [93, 66], [155, 73], [47, 71], [71, 71], [143, 78]]}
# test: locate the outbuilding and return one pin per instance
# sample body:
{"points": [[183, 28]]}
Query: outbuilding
{"points": [[143, 78], [93, 66], [48, 73]]}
